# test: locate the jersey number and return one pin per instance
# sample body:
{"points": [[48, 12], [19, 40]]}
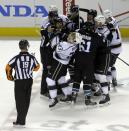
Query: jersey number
{"points": [[85, 46], [25, 64]]}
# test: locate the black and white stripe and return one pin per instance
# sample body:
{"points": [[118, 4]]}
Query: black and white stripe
{"points": [[24, 63]]}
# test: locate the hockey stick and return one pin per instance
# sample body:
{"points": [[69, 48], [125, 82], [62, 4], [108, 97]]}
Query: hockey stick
{"points": [[84, 10], [123, 19], [100, 8], [78, 17], [121, 60], [124, 13]]}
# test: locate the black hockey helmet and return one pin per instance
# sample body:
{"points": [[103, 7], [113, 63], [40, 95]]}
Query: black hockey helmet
{"points": [[92, 12], [74, 9], [88, 27], [23, 44], [53, 14]]}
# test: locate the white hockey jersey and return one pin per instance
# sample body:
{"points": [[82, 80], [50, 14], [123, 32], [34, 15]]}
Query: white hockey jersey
{"points": [[64, 51], [116, 38], [104, 31]]}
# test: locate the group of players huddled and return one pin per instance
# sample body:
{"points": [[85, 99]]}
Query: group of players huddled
{"points": [[86, 49]]}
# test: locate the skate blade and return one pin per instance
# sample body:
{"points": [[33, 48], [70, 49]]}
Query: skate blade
{"points": [[90, 106], [19, 126], [53, 108], [65, 102], [59, 106], [105, 104]]}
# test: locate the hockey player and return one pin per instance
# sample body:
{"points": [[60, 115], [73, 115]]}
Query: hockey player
{"points": [[61, 57], [103, 58], [75, 18], [84, 61], [45, 50], [115, 44], [100, 24], [23, 64], [47, 32], [75, 23]]}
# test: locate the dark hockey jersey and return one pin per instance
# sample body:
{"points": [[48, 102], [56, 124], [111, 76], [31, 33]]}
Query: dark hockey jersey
{"points": [[92, 45]]}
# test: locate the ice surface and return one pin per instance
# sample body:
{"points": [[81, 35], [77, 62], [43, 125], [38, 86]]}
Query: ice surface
{"points": [[114, 117]]}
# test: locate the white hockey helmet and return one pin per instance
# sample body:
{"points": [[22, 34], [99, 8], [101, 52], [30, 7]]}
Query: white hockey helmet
{"points": [[53, 8], [107, 13], [100, 19]]}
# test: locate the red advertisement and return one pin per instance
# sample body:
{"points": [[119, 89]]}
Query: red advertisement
{"points": [[66, 6]]}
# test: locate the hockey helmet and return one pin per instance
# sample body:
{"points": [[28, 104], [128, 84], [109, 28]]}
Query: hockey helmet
{"points": [[23, 44], [88, 27], [74, 9], [53, 8], [100, 19], [92, 12], [53, 11], [107, 13]]}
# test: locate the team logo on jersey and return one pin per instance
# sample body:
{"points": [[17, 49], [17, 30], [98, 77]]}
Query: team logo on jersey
{"points": [[60, 47]]}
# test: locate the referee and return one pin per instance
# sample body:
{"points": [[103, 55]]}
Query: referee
{"points": [[24, 64]]}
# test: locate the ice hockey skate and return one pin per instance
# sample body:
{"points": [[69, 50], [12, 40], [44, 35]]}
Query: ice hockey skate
{"points": [[105, 100], [66, 99], [89, 103], [74, 97], [53, 102], [114, 82], [96, 89]]}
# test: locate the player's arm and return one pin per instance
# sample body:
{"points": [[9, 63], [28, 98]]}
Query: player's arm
{"points": [[9, 71], [104, 47], [111, 27], [43, 32], [36, 65]]}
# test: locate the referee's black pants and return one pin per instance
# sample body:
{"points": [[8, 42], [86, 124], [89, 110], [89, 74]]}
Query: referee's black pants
{"points": [[22, 98]]}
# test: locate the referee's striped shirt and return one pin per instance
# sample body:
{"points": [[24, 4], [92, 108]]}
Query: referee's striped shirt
{"points": [[24, 64]]}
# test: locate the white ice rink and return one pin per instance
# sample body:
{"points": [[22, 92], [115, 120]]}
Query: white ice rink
{"points": [[114, 117]]}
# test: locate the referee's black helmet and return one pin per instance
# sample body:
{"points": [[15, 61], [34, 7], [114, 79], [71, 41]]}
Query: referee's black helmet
{"points": [[23, 44]]}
